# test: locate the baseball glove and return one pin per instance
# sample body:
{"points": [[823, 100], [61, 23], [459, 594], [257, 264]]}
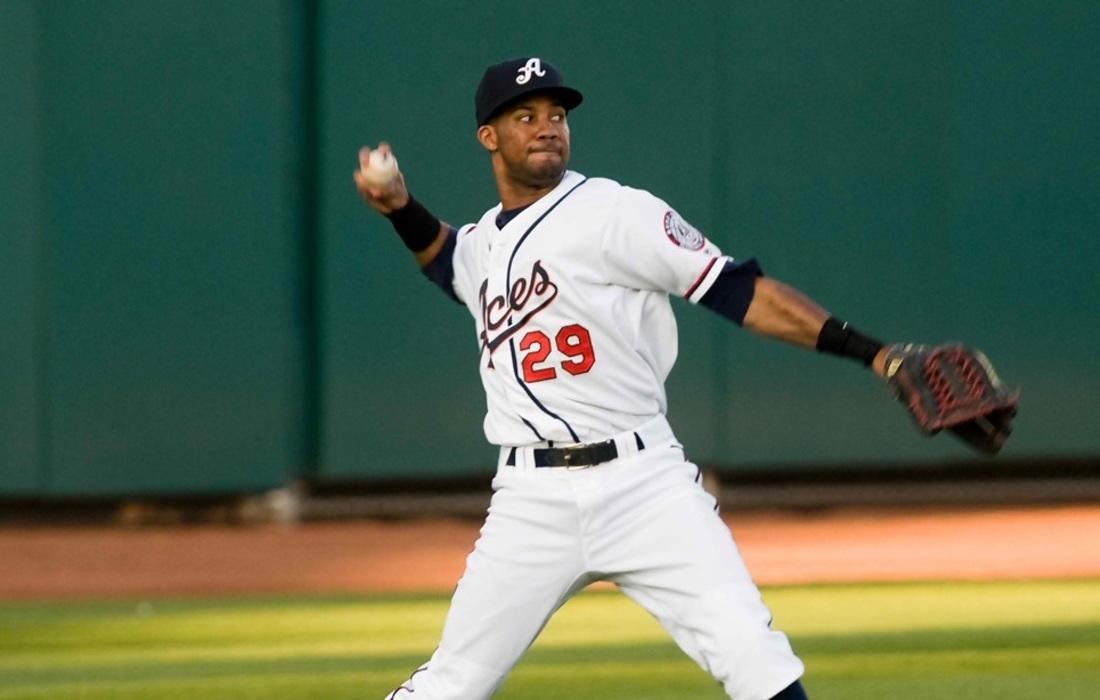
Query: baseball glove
{"points": [[953, 387]]}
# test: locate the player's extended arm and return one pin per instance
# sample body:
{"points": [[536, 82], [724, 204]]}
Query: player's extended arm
{"points": [[422, 233], [780, 311], [944, 387]]}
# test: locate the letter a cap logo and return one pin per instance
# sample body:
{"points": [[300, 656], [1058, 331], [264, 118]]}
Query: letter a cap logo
{"points": [[505, 83], [532, 67]]}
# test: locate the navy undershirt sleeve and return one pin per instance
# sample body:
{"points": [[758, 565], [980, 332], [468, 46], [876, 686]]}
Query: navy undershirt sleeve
{"points": [[731, 293], [441, 269]]}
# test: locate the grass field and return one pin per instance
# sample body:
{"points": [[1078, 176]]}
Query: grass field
{"points": [[899, 641]]}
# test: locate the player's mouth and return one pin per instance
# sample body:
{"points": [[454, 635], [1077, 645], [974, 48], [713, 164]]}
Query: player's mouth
{"points": [[551, 151]]}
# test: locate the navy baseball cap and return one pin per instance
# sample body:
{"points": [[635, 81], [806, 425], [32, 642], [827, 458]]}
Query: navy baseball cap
{"points": [[504, 83]]}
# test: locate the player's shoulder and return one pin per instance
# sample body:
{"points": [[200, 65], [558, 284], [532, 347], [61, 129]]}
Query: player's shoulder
{"points": [[478, 230], [601, 185], [487, 218], [617, 198], [636, 213], [466, 230], [624, 194], [631, 207], [470, 241]]}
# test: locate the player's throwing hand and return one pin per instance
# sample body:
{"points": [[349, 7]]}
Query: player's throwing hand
{"points": [[379, 180]]}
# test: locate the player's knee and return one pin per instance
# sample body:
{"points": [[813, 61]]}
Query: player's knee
{"points": [[737, 646]]}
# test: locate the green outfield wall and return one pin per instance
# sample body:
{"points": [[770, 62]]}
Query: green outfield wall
{"points": [[193, 299], [156, 248]]}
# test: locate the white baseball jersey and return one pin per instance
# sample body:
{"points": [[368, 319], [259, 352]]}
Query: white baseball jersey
{"points": [[570, 300]]}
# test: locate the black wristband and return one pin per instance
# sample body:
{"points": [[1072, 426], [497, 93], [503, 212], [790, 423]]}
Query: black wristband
{"points": [[838, 338], [415, 225]]}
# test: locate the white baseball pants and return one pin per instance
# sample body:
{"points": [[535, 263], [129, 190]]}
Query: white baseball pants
{"points": [[641, 521]]}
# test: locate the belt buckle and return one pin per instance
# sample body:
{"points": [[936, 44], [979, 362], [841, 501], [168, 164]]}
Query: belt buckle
{"points": [[568, 458]]}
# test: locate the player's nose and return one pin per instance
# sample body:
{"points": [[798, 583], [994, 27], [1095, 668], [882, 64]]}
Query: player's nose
{"points": [[548, 125], [548, 131]]}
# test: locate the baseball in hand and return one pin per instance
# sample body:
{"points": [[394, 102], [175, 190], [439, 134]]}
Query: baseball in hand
{"points": [[381, 168]]}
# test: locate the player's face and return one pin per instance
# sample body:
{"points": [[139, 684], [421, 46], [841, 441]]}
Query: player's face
{"points": [[532, 141]]}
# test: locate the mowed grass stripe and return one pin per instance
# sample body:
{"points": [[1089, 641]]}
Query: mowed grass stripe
{"points": [[942, 640], [245, 687], [905, 607]]}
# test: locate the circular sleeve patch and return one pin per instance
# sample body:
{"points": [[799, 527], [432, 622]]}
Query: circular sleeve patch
{"points": [[682, 233]]}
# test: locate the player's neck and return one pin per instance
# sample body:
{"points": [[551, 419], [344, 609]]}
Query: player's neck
{"points": [[514, 195]]}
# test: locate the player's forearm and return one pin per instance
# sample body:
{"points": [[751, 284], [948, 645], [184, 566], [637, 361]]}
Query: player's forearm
{"points": [[421, 232], [783, 313], [780, 312], [426, 256]]}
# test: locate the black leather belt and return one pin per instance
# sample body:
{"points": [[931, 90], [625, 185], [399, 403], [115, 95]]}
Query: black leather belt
{"points": [[576, 456]]}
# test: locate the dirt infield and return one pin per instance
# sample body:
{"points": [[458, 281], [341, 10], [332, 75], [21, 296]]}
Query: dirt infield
{"points": [[428, 555]]}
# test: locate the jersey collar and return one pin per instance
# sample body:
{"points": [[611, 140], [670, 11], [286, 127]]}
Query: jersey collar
{"points": [[535, 209]]}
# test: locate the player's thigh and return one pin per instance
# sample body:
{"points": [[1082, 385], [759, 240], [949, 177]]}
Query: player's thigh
{"points": [[679, 546], [682, 564], [663, 529], [526, 562]]}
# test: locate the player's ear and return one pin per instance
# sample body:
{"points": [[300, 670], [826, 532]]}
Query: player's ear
{"points": [[487, 137]]}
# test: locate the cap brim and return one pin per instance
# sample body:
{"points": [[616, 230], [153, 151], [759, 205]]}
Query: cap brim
{"points": [[568, 97]]}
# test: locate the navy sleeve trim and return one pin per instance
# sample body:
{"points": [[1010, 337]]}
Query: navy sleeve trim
{"points": [[731, 293], [441, 269]]}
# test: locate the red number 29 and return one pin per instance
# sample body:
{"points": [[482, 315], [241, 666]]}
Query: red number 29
{"points": [[573, 341]]}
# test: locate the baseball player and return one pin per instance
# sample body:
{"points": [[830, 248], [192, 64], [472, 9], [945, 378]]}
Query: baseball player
{"points": [[568, 281]]}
